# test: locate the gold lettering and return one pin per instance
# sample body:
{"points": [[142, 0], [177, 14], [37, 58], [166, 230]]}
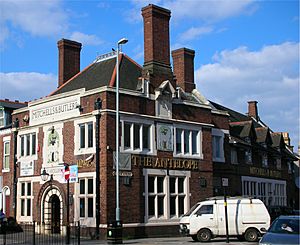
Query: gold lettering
{"points": [[157, 163]]}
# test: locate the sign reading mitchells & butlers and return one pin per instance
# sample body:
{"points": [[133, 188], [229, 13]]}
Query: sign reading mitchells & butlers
{"points": [[54, 110], [164, 163]]}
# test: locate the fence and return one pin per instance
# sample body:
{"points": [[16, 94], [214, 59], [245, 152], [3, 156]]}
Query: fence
{"points": [[31, 234]]}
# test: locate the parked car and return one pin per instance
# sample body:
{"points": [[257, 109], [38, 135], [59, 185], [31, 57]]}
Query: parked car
{"points": [[284, 230], [276, 211], [206, 220]]}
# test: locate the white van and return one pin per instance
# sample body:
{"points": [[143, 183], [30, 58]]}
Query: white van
{"points": [[246, 219]]}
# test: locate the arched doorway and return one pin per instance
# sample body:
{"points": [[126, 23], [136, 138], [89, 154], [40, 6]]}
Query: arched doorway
{"points": [[6, 200], [55, 213], [52, 207]]}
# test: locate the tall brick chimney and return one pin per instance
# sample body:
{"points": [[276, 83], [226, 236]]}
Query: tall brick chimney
{"points": [[68, 59], [156, 45], [183, 66], [252, 109]]}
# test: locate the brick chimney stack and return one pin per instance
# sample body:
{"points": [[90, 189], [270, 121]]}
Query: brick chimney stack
{"points": [[183, 66], [68, 60], [252, 109], [156, 45]]}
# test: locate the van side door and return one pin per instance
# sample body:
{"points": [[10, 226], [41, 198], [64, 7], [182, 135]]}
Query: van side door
{"points": [[204, 217]]}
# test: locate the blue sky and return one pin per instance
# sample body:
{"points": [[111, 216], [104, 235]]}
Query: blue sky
{"points": [[245, 50]]}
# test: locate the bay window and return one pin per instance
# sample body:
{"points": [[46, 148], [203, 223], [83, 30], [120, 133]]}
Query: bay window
{"points": [[166, 194]]}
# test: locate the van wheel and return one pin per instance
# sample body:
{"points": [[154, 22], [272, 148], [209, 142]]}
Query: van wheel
{"points": [[195, 238], [251, 235], [204, 235]]}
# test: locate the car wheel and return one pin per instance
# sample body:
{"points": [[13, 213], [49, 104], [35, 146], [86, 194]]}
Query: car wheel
{"points": [[204, 235], [195, 238], [251, 235]]}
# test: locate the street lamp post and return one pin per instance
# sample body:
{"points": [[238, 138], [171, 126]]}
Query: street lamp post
{"points": [[120, 42], [97, 106]]}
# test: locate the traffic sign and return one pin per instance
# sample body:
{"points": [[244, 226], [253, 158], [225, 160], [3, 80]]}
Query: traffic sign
{"points": [[67, 173]]}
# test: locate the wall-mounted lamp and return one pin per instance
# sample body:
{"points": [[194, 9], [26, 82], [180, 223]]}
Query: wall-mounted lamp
{"points": [[45, 175], [98, 104]]}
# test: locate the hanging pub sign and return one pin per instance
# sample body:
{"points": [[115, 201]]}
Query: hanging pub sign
{"points": [[164, 137]]}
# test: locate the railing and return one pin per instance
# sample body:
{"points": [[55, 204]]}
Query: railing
{"points": [[34, 234]]}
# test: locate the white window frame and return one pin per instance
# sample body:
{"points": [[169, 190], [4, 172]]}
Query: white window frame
{"points": [[26, 197], [141, 150], [31, 156], [190, 129], [166, 174], [266, 189], [218, 133], [87, 150], [86, 221], [6, 140]]}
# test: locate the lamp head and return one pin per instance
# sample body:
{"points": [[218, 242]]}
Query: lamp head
{"points": [[44, 175], [122, 41]]}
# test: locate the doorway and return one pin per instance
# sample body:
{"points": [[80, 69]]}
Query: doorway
{"points": [[55, 213]]}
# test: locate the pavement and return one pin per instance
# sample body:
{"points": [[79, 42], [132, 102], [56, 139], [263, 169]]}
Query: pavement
{"points": [[171, 240]]}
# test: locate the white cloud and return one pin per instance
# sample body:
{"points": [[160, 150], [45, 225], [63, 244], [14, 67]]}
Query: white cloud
{"points": [[39, 18], [270, 76], [195, 32], [207, 10], [25, 86], [85, 39]]}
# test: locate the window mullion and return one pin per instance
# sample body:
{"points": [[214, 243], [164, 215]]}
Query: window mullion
{"points": [[141, 137], [131, 136]]}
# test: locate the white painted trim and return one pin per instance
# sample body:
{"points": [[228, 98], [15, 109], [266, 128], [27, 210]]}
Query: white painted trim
{"points": [[5, 131], [163, 120], [77, 149], [163, 172], [89, 222], [23, 132]]}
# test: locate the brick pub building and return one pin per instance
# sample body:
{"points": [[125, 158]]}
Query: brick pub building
{"points": [[168, 135]]}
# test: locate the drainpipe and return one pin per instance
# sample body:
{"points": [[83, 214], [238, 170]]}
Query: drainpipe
{"points": [[15, 130]]}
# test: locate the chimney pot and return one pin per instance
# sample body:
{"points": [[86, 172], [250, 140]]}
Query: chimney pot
{"points": [[183, 65], [252, 109], [156, 44], [68, 60]]}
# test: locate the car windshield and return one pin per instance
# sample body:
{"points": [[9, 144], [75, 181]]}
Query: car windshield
{"points": [[192, 209], [285, 225]]}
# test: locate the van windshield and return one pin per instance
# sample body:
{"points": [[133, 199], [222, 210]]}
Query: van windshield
{"points": [[192, 209]]}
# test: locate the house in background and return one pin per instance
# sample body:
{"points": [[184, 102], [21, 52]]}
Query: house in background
{"points": [[6, 152], [256, 161]]}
